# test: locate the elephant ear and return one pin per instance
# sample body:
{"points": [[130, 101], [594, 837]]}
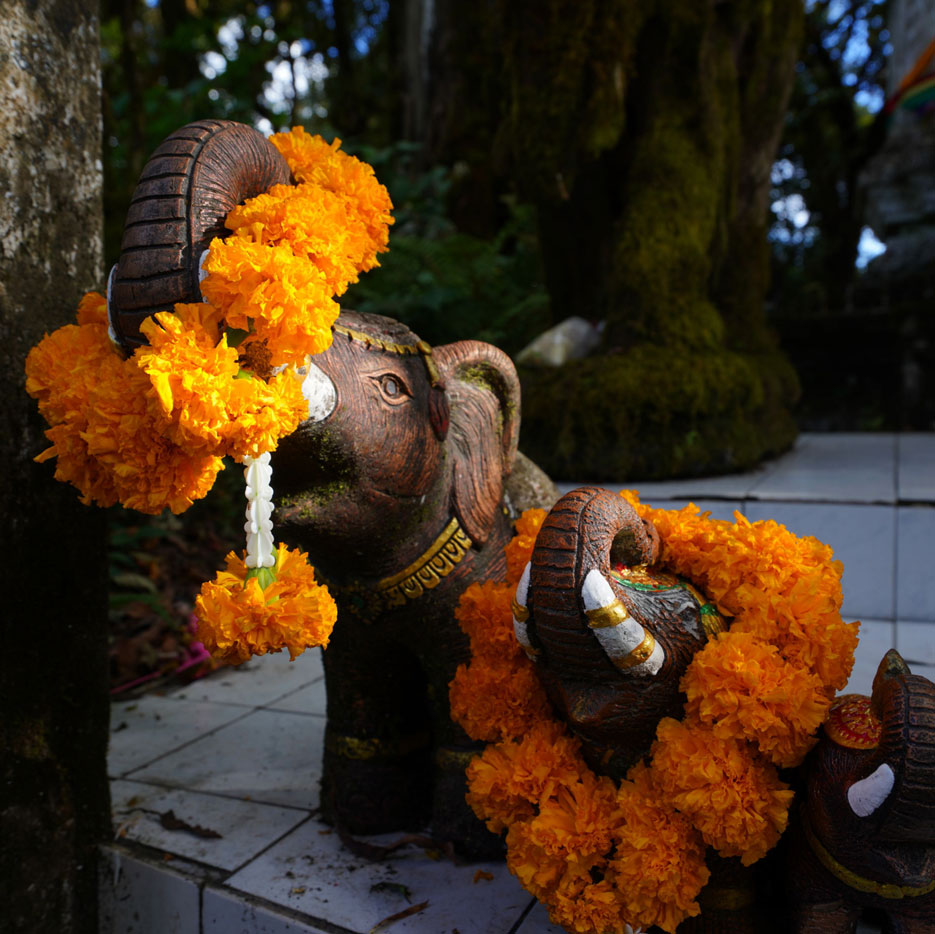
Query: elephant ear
{"points": [[484, 401]]}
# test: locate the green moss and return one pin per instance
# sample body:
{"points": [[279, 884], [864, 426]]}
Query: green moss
{"points": [[656, 412]]}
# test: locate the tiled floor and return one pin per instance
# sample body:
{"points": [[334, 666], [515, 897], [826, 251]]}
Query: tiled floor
{"points": [[215, 785]]}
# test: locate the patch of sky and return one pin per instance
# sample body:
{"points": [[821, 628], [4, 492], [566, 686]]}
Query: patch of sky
{"points": [[868, 248]]}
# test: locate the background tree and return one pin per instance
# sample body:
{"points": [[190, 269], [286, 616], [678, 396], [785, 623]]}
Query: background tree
{"points": [[834, 126], [53, 678]]}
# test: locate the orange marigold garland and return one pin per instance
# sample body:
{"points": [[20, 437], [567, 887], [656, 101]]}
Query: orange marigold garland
{"points": [[237, 617], [150, 431], [756, 696]]}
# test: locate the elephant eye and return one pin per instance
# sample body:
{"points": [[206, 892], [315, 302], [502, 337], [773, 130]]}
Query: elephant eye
{"points": [[392, 387]]}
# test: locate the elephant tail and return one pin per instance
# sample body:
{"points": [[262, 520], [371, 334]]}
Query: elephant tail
{"points": [[575, 619], [188, 187], [905, 704]]}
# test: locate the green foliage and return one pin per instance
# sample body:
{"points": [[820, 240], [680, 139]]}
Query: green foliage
{"points": [[447, 285]]}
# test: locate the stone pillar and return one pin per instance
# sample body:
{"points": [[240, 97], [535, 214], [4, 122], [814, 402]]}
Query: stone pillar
{"points": [[53, 668]]}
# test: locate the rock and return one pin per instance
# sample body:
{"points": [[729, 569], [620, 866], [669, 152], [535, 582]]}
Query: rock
{"points": [[572, 339]]}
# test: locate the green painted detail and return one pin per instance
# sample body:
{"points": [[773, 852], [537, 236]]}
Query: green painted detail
{"points": [[709, 609]]}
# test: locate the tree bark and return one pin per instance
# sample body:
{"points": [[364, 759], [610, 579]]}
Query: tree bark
{"points": [[54, 807]]}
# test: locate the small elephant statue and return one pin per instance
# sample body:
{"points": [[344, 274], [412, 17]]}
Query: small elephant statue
{"points": [[864, 834], [610, 634], [611, 637], [395, 486]]}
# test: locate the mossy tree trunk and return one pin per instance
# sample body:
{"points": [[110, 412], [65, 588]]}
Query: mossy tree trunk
{"points": [[644, 132], [53, 671]]}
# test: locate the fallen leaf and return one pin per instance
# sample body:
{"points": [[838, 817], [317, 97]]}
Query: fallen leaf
{"points": [[298, 890], [170, 822], [405, 913], [482, 874]]}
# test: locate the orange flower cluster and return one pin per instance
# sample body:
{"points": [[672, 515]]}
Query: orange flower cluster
{"points": [[294, 248], [756, 696], [519, 548], [199, 399], [238, 618], [105, 436]]}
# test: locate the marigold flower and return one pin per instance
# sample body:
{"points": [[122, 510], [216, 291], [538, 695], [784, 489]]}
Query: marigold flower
{"points": [[237, 619], [744, 688], [738, 803], [579, 904], [659, 857], [577, 819], [511, 779], [498, 702], [519, 549], [485, 615], [149, 471], [278, 297], [538, 872], [324, 165]]}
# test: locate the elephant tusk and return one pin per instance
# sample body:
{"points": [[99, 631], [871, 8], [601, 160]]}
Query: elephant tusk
{"points": [[627, 644], [521, 614], [319, 391], [869, 793]]}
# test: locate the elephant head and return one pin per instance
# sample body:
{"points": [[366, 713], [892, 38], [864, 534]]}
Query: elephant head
{"points": [[400, 439], [864, 836], [611, 636]]}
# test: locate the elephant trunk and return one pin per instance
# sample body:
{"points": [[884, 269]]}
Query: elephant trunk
{"points": [[576, 620], [905, 705], [188, 187]]}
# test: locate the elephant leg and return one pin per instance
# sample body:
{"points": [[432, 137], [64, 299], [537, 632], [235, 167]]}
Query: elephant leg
{"points": [[453, 821], [835, 917], [376, 775]]}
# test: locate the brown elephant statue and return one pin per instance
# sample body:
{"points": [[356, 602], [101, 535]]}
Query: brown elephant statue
{"points": [[864, 834], [395, 486], [610, 634]]}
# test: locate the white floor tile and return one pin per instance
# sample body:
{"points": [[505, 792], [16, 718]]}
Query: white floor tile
{"points": [[137, 897], [256, 682], [917, 467], [311, 872], [311, 699], [877, 637], [246, 827], [269, 756], [916, 642], [915, 548], [862, 538], [144, 729], [225, 912], [849, 468]]}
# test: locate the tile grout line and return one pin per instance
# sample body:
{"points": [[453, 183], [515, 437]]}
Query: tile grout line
{"points": [[185, 745]]}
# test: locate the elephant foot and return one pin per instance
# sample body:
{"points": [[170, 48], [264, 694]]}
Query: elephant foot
{"points": [[373, 785], [453, 821]]}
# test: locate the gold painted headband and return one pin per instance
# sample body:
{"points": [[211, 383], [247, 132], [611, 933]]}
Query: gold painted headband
{"points": [[422, 347]]}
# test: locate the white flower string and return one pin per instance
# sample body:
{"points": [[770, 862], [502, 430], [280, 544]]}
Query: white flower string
{"points": [[259, 524]]}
